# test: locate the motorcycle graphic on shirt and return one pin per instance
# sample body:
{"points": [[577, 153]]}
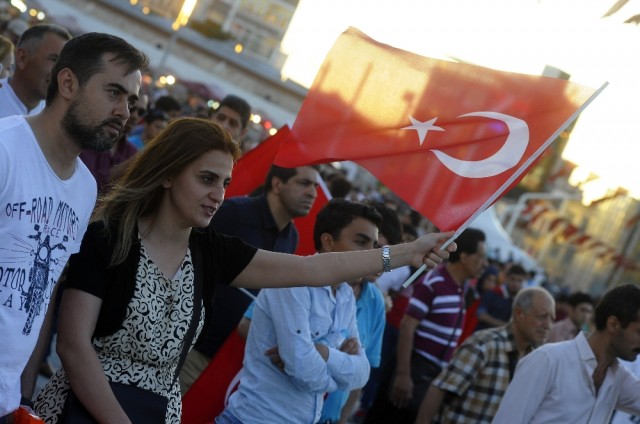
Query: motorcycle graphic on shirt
{"points": [[39, 275]]}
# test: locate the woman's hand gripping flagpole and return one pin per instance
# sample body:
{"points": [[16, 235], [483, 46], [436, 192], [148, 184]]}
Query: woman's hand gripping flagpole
{"points": [[423, 267]]}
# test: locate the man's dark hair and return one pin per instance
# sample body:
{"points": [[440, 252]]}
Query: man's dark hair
{"points": [[167, 104], [155, 115], [467, 243], [390, 227], [578, 298], [622, 302], [339, 213], [239, 105], [31, 38], [84, 56], [340, 187], [410, 230], [517, 270], [284, 174]]}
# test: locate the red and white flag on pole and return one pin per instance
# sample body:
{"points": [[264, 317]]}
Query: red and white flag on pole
{"points": [[251, 170], [448, 138]]}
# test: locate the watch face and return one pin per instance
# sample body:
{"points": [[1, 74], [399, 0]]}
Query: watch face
{"points": [[386, 259]]}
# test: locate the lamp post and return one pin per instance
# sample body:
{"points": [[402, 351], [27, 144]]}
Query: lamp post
{"points": [[181, 20]]}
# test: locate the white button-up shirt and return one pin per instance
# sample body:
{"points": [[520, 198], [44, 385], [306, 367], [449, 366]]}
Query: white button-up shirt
{"points": [[554, 384]]}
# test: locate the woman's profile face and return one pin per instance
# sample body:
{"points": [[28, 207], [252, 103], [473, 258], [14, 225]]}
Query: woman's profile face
{"points": [[196, 193]]}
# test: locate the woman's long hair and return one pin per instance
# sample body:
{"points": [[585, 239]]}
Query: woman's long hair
{"points": [[139, 191]]}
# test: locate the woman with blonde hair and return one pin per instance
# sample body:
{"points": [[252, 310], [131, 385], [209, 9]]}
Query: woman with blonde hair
{"points": [[7, 50], [137, 294]]}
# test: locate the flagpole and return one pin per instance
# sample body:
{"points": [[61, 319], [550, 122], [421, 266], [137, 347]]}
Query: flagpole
{"points": [[511, 179]]}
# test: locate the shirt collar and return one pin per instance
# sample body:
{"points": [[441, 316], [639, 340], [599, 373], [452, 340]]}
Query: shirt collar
{"points": [[586, 354], [267, 217], [507, 333], [342, 290]]}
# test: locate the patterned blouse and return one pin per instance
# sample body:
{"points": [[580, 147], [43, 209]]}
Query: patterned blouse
{"points": [[145, 351]]}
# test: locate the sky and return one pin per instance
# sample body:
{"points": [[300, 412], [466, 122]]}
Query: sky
{"points": [[511, 35]]}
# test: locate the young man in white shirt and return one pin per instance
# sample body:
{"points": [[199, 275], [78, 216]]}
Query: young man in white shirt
{"points": [[311, 334]]}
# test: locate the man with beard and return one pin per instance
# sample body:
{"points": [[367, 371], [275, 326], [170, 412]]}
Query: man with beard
{"points": [[103, 164], [265, 222], [48, 195], [36, 52], [581, 380]]}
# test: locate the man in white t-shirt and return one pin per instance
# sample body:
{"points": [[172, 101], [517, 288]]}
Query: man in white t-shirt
{"points": [[36, 52], [47, 195]]}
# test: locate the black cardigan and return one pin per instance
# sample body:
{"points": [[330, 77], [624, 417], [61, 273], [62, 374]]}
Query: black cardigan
{"points": [[219, 258]]}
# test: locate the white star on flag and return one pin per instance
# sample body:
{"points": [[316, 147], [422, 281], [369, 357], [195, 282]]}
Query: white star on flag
{"points": [[422, 127]]}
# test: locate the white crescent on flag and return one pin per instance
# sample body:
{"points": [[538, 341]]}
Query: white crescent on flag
{"points": [[506, 158]]}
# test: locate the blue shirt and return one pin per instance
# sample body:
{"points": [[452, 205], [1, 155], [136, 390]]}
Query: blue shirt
{"points": [[250, 219], [496, 303], [136, 140], [294, 320], [370, 316]]}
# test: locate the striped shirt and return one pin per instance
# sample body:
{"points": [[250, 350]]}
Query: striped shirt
{"points": [[438, 303]]}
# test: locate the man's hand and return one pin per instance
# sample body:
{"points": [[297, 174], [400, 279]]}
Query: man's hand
{"points": [[401, 392], [350, 346]]}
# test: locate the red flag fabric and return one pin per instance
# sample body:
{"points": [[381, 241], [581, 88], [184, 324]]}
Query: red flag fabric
{"points": [[252, 168], [445, 137], [206, 398]]}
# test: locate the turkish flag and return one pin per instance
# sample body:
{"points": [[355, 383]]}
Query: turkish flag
{"points": [[448, 138], [251, 169], [207, 397]]}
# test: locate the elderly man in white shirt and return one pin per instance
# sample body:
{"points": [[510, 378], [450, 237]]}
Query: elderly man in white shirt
{"points": [[581, 380], [36, 52]]}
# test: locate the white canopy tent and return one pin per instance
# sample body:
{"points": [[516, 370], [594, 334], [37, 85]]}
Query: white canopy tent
{"points": [[499, 244]]}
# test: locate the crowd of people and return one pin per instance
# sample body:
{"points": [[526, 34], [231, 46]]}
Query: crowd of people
{"points": [[117, 236]]}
